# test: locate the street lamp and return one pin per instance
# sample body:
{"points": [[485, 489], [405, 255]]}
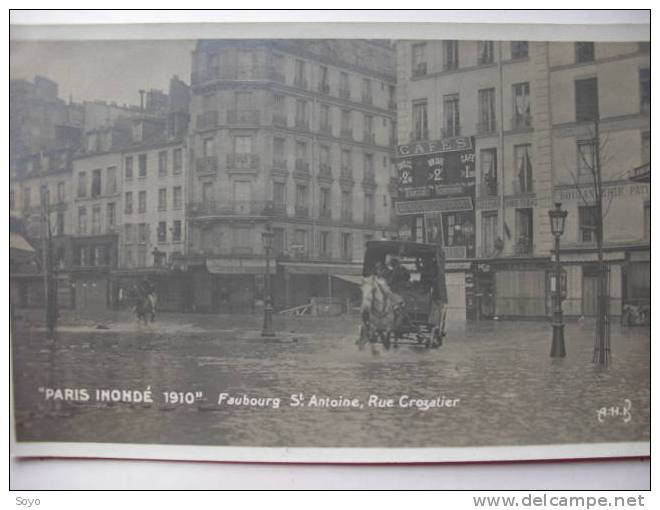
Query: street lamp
{"points": [[557, 221], [267, 240]]}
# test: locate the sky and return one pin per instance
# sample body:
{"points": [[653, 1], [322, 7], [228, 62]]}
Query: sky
{"points": [[105, 70]]}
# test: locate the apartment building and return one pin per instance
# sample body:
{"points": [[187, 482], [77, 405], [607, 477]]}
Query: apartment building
{"points": [[492, 134], [295, 136]]}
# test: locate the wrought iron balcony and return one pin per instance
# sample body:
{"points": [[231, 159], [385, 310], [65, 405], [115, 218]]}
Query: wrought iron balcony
{"points": [[455, 252], [243, 117], [207, 164], [236, 208], [207, 120], [240, 161]]}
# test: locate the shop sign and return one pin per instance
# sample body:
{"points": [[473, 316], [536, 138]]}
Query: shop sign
{"points": [[435, 205], [609, 192], [460, 143]]}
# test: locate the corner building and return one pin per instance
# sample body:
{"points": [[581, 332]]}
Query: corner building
{"points": [[491, 134], [296, 136]]}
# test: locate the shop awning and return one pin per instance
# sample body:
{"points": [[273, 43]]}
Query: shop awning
{"points": [[357, 280], [322, 268], [18, 242]]}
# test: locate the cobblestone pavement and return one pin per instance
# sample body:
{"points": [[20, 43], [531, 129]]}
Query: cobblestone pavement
{"points": [[505, 388]]}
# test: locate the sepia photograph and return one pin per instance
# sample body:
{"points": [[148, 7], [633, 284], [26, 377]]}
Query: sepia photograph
{"points": [[330, 249]]}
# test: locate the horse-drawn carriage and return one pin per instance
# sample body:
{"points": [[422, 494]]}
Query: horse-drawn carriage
{"points": [[404, 294]]}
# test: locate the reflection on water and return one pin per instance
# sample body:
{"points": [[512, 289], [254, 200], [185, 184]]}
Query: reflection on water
{"points": [[511, 392]]}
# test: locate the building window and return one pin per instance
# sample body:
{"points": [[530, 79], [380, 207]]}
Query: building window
{"points": [[452, 125], [162, 231], [176, 231], [162, 199], [324, 85], [588, 218], [111, 216], [522, 117], [177, 163], [325, 203], [96, 183], [301, 114], [208, 149], [207, 193], [369, 167], [346, 165], [82, 185], [245, 67], [324, 244], [646, 147], [325, 125], [142, 165], [346, 246], [111, 180], [451, 55], [484, 52], [487, 122], [96, 220], [279, 194], [129, 233], [584, 52], [82, 221], [128, 167], [519, 49], [279, 159], [586, 154], [143, 233], [346, 128], [645, 91], [177, 198], [367, 96], [142, 202], [488, 167], [60, 223], [346, 206], [420, 120], [344, 86], [368, 129], [128, 202], [279, 241], [301, 200], [419, 59], [162, 163], [369, 208], [524, 231], [299, 76], [523, 168], [61, 192], [586, 100], [325, 165], [488, 233]]}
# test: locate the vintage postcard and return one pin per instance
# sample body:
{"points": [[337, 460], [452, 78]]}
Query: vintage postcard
{"points": [[327, 249]]}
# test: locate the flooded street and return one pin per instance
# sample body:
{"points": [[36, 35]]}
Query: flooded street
{"points": [[505, 387]]}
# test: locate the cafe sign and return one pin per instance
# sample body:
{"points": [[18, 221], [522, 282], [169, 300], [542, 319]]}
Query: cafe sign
{"points": [[459, 143]]}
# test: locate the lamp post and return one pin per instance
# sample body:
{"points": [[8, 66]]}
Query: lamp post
{"points": [[267, 329], [557, 221]]}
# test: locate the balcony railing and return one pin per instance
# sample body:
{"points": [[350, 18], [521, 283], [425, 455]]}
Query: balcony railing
{"points": [[280, 163], [521, 121], [344, 93], [451, 131], [302, 124], [302, 165], [207, 120], [236, 208], [249, 161], [325, 129], [487, 127], [302, 211], [488, 188], [419, 70], [455, 252], [369, 138], [346, 133], [207, 164], [243, 117], [279, 119], [324, 88], [523, 246]]}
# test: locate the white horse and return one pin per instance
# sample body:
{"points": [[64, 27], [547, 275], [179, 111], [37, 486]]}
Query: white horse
{"points": [[380, 307]]}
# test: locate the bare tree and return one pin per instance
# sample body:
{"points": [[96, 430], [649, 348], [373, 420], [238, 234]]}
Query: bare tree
{"points": [[592, 192]]}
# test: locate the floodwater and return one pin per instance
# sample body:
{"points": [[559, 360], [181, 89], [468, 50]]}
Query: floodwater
{"points": [[505, 388]]}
